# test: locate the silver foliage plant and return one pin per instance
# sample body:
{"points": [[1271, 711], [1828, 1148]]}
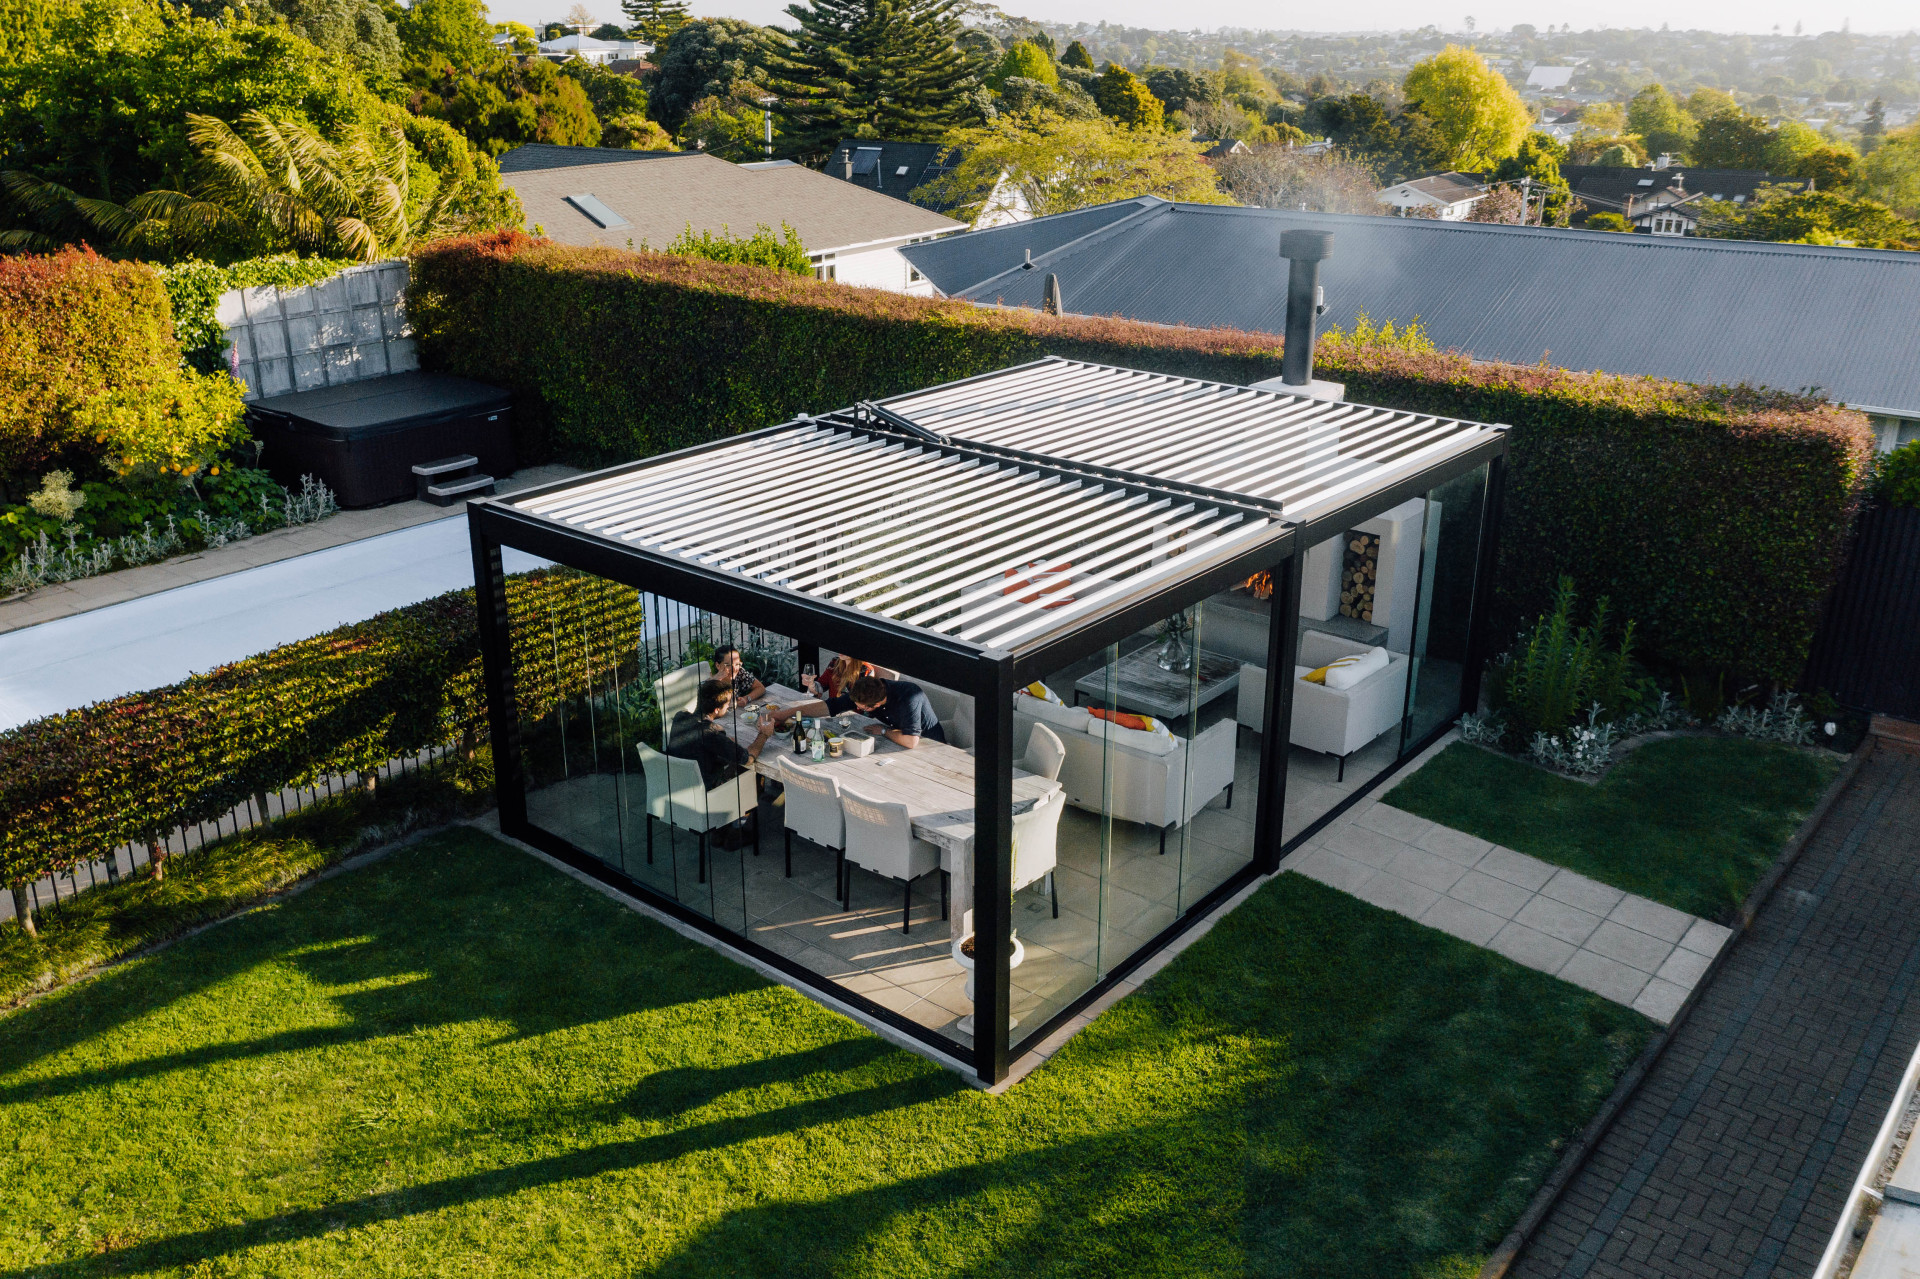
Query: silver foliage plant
{"points": [[1781, 720], [1583, 750]]}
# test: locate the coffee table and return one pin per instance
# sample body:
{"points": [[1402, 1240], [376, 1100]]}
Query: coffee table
{"points": [[1139, 683]]}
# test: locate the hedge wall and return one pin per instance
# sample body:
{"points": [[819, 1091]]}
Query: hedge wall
{"points": [[1712, 516], [73, 786], [73, 326]]}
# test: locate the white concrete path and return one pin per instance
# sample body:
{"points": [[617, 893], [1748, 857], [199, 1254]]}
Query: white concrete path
{"points": [[1627, 948], [159, 639]]}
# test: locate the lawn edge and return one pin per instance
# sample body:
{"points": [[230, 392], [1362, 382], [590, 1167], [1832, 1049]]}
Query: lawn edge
{"points": [[356, 861], [1581, 1149]]}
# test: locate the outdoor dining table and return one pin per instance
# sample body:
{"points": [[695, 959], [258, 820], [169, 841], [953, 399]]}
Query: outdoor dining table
{"points": [[934, 780]]}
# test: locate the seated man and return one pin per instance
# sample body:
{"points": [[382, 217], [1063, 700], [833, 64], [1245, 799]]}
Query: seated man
{"points": [[695, 735], [900, 705], [729, 669]]}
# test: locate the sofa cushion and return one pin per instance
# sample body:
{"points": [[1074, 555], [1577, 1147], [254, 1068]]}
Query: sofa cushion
{"points": [[1072, 718], [1160, 741], [1346, 674]]}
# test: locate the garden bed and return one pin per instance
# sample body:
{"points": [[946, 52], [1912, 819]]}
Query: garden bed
{"points": [[458, 1060], [1689, 819]]}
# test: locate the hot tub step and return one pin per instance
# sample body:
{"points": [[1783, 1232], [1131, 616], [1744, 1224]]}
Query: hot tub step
{"points": [[453, 490]]}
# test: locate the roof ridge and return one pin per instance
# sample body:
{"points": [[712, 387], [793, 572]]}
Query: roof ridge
{"points": [[1149, 205]]}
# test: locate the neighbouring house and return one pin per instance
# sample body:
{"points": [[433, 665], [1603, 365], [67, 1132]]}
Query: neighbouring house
{"points": [[1561, 126], [592, 50], [1549, 79], [1221, 150], [1450, 197], [1661, 199], [902, 169], [597, 195], [1790, 316]]}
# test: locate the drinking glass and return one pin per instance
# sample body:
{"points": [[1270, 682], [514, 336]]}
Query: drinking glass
{"points": [[807, 675]]}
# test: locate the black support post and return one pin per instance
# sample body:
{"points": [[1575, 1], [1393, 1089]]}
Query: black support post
{"points": [[1480, 638], [1283, 642], [496, 659], [992, 865]]}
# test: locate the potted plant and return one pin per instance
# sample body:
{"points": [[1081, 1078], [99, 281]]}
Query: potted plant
{"points": [[963, 955]]}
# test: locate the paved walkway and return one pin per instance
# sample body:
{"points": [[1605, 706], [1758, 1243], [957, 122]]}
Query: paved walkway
{"points": [[1736, 1154], [1629, 949], [148, 627]]}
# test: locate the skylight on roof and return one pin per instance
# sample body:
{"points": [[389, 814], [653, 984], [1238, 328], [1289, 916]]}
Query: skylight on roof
{"points": [[599, 212], [866, 160], [900, 172]]}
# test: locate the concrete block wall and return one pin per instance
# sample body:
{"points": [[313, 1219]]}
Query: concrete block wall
{"points": [[342, 329]]}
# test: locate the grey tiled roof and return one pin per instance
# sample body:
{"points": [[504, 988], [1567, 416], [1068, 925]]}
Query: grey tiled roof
{"points": [[530, 156], [1788, 316]]}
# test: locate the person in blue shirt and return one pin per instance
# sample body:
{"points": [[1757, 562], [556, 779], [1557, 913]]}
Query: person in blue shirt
{"points": [[901, 706]]}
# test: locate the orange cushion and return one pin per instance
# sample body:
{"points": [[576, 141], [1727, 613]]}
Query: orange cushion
{"points": [[1049, 581], [1138, 722]]}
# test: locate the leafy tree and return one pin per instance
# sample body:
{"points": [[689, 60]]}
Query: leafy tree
{"points": [[357, 30], [731, 127], [871, 68], [1621, 155], [105, 113], [1278, 177], [607, 31], [610, 93], [1026, 60], [705, 59], [782, 252], [1603, 118], [1539, 159], [1504, 205], [1828, 168], [1705, 102], [1059, 165], [1021, 96], [453, 31], [1077, 56], [1608, 222], [1220, 121], [1874, 127], [1179, 89], [635, 133], [656, 21], [1124, 98], [1815, 217], [1733, 140], [1660, 123], [1892, 172], [1356, 123], [514, 100], [526, 41], [1242, 80], [1477, 117]]}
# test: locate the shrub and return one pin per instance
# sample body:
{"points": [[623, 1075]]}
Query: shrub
{"points": [[74, 326], [78, 784], [1712, 515], [1896, 479], [763, 248], [1556, 670], [175, 424]]}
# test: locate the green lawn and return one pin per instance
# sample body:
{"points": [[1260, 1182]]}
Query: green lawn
{"points": [[458, 1061], [1690, 821]]}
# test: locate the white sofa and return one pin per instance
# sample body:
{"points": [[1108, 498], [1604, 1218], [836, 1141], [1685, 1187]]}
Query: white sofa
{"points": [[1337, 721], [1148, 788]]}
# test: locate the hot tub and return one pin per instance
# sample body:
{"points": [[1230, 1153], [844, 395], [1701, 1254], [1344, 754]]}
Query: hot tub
{"points": [[362, 439]]}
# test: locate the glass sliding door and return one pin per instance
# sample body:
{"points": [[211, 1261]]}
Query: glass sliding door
{"points": [[1443, 616]]}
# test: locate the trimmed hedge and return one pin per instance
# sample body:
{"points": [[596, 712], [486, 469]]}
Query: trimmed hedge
{"points": [[73, 327], [75, 785], [1714, 517]]}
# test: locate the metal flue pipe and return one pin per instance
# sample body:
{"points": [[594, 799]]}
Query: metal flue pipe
{"points": [[1304, 251]]}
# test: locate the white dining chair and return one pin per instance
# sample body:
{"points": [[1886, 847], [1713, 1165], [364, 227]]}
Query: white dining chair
{"points": [[1036, 844], [659, 783], [813, 813], [880, 838], [679, 690], [1045, 753], [690, 805]]}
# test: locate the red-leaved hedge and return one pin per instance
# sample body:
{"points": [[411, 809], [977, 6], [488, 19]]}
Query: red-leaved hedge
{"points": [[1714, 517]]}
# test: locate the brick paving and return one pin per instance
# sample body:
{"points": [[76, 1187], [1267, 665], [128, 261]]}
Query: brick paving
{"points": [[1735, 1156]]}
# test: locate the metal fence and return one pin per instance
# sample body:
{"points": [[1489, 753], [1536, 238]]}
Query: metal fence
{"points": [[1867, 651]]}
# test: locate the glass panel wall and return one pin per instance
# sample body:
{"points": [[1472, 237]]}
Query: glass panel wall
{"points": [[1135, 788], [809, 801], [1391, 598]]}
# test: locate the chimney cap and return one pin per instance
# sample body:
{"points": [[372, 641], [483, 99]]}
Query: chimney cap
{"points": [[1306, 246]]}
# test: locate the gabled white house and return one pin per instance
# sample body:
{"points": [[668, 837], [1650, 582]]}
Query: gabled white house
{"points": [[1450, 197]]}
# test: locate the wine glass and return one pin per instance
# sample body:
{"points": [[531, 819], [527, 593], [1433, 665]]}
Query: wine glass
{"points": [[807, 676]]}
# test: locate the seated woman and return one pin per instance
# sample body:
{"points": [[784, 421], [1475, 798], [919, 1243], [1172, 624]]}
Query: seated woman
{"points": [[840, 672], [730, 670], [900, 705]]}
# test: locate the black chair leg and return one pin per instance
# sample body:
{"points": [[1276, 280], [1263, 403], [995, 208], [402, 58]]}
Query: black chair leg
{"points": [[649, 839], [946, 889], [1053, 891], [1229, 794], [703, 858], [1341, 776], [906, 911], [1163, 841], [789, 854], [846, 885]]}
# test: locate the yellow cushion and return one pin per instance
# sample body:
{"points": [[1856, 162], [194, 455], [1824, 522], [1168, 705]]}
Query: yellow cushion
{"points": [[1319, 676], [1045, 694]]}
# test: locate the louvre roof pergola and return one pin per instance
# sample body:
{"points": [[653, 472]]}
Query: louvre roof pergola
{"points": [[995, 552], [1309, 457]]}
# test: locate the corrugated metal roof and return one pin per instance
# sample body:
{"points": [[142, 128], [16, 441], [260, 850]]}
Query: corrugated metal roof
{"points": [[1787, 316], [994, 552], [1309, 457]]}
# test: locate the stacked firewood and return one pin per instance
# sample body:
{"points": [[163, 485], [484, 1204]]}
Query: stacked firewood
{"points": [[1362, 562]]}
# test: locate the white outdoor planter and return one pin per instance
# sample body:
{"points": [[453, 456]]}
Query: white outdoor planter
{"points": [[965, 1024]]}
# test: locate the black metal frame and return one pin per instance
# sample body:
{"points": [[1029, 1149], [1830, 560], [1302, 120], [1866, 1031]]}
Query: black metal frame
{"points": [[990, 676]]}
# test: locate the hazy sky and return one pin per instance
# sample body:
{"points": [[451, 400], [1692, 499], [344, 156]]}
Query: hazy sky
{"points": [[1717, 15]]}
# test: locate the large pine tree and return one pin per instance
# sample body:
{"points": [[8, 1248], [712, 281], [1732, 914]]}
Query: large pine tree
{"points": [[655, 21], [871, 68]]}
